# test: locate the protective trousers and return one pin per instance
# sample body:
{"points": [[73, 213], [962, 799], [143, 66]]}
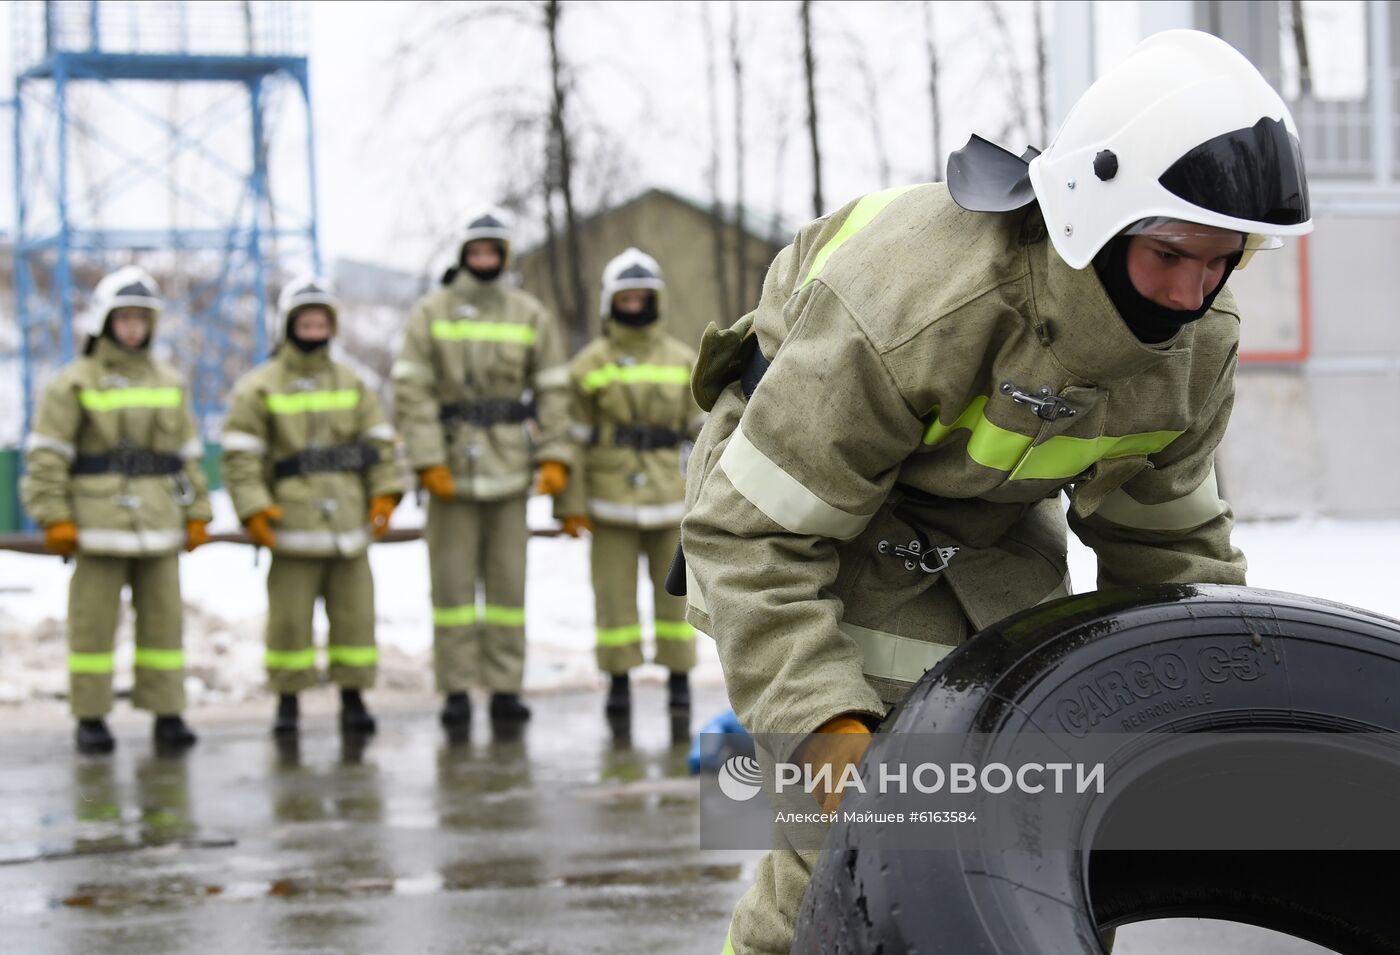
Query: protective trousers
{"points": [[478, 645], [347, 587], [94, 601], [616, 549]]}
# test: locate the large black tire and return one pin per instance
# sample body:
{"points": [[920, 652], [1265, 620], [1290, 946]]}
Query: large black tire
{"points": [[1276, 662]]}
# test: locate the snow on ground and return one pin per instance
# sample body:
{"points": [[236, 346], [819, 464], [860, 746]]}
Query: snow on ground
{"points": [[1351, 562]]}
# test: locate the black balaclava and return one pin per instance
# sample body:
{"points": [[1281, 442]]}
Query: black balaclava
{"points": [[1151, 323], [301, 344], [646, 316], [489, 275]]}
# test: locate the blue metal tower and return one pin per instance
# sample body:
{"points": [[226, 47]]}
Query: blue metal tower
{"points": [[177, 135]]}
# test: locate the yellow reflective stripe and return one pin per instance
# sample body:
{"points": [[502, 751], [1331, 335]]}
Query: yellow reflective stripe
{"points": [[113, 399], [1056, 458], [1183, 514], [150, 659], [636, 375], [781, 497], [674, 630], [728, 946], [463, 330], [619, 636], [302, 402], [90, 662], [290, 659], [504, 616], [454, 616], [353, 656], [861, 216]]}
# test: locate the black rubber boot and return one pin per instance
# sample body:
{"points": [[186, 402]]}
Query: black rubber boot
{"points": [[679, 686], [93, 737], [457, 713], [285, 725], [619, 696], [172, 735], [354, 718], [507, 708]]}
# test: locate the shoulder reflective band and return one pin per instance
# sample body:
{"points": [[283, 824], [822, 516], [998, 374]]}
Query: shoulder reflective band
{"points": [[302, 402], [674, 630], [504, 616], [150, 659], [454, 616], [353, 656], [861, 216], [636, 374], [781, 497], [619, 636], [290, 659], [1057, 458], [90, 662], [1183, 514], [114, 399], [468, 331]]}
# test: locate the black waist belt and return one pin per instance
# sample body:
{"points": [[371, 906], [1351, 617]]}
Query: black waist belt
{"points": [[133, 462], [485, 412], [646, 438], [342, 457]]}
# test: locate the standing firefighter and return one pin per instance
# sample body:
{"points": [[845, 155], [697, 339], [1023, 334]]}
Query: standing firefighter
{"points": [[114, 477], [309, 463], [632, 411], [479, 361], [945, 360]]}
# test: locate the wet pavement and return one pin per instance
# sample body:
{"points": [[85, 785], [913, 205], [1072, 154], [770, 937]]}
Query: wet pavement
{"points": [[561, 839]]}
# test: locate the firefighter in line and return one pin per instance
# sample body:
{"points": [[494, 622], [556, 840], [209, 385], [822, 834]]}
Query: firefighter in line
{"points": [[633, 413], [309, 462], [114, 478], [481, 400], [929, 368]]}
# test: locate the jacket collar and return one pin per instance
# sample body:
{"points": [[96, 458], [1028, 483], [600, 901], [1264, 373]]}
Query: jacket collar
{"points": [[632, 340], [118, 360], [468, 288], [298, 362]]}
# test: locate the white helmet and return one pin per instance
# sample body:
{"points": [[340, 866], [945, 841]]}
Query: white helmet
{"points": [[633, 269], [1184, 129], [302, 291], [492, 223], [128, 287]]}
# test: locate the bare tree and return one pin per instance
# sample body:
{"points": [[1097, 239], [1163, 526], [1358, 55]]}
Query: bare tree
{"points": [[741, 243], [935, 114], [810, 68], [717, 222], [1042, 96], [869, 107], [561, 151], [1020, 118]]}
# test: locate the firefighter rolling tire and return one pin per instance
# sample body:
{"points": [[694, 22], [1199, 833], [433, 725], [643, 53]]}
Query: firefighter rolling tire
{"points": [[1194, 659]]}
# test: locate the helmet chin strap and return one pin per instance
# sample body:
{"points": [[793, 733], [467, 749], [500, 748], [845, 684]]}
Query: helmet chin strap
{"points": [[1151, 323]]}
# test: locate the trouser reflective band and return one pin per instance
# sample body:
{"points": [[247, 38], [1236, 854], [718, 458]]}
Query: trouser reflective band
{"points": [[619, 636], [290, 659], [504, 616], [674, 630], [353, 656], [91, 662], [160, 659], [454, 616]]}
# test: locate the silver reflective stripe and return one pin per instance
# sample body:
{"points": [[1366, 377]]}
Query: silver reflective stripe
{"points": [[404, 370], [889, 656], [489, 486], [344, 542], [1183, 514], [42, 442], [192, 450], [557, 377], [243, 441], [380, 432], [129, 542], [581, 433], [1061, 591], [641, 515], [693, 594], [781, 497]]}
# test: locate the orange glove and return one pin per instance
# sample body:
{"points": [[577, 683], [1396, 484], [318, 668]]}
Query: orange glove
{"points": [[577, 522], [838, 743], [260, 529], [437, 481], [554, 477], [381, 507], [61, 537], [196, 534]]}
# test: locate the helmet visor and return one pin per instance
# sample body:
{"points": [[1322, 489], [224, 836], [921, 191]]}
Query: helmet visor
{"points": [[1254, 174]]}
